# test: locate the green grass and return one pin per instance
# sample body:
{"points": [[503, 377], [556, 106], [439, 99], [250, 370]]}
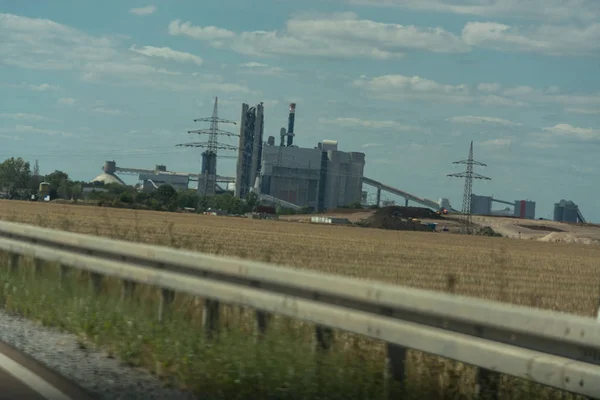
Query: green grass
{"points": [[283, 365]]}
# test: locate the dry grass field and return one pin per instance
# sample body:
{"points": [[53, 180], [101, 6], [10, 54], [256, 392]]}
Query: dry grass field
{"points": [[557, 276], [562, 277]]}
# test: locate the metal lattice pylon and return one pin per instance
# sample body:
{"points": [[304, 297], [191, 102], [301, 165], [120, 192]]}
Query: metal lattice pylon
{"points": [[209, 180], [469, 175]]}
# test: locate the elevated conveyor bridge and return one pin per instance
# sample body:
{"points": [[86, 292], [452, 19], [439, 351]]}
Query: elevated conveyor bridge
{"points": [[407, 196]]}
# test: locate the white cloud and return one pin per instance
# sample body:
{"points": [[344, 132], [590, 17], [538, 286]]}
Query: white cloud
{"points": [[28, 129], [566, 130], [256, 68], [399, 87], [36, 43], [583, 111], [554, 10], [106, 111], [541, 145], [495, 100], [345, 35], [67, 101], [518, 91], [209, 33], [469, 119], [168, 54], [503, 142], [143, 11], [488, 87], [563, 40], [402, 88], [365, 123], [341, 35], [368, 145], [25, 116], [254, 64], [44, 87]]}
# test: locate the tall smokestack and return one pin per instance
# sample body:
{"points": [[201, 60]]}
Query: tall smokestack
{"points": [[282, 134], [290, 134]]}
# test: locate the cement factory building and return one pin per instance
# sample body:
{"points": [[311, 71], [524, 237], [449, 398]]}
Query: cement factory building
{"points": [[321, 177], [567, 211]]}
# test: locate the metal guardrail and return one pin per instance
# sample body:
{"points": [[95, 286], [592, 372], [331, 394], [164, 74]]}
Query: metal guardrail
{"points": [[555, 349]]}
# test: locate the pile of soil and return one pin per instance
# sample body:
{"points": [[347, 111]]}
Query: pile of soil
{"points": [[566, 237], [346, 210], [408, 212], [395, 218], [541, 228]]}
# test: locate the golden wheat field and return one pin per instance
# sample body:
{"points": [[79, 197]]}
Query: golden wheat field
{"points": [[562, 277]]}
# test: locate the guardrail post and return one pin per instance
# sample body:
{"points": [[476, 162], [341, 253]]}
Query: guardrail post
{"points": [[127, 290], [210, 318], [487, 384], [324, 336], [96, 280], [166, 298], [395, 364], [37, 266], [13, 262], [64, 272], [262, 317], [262, 321]]}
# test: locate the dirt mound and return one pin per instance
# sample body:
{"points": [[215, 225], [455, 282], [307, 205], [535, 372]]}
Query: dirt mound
{"points": [[396, 218], [564, 237], [407, 212], [541, 228], [346, 210]]}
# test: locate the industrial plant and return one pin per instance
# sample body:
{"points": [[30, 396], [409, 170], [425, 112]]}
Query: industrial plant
{"points": [[482, 205], [319, 177], [567, 211]]}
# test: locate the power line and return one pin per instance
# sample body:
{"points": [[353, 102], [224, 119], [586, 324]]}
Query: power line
{"points": [[209, 157], [469, 175]]}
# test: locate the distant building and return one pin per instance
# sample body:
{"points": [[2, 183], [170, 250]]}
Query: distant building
{"points": [[152, 181], [567, 211], [525, 209], [321, 178], [481, 205]]}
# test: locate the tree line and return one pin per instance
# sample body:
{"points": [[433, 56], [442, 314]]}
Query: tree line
{"points": [[19, 182]]}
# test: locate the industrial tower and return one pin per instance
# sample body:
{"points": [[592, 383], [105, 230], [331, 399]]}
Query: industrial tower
{"points": [[249, 149], [469, 175], [207, 180]]}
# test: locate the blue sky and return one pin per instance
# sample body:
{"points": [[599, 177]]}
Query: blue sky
{"points": [[409, 82]]}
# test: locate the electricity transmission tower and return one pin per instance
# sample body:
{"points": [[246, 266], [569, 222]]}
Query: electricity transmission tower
{"points": [[469, 175], [208, 178]]}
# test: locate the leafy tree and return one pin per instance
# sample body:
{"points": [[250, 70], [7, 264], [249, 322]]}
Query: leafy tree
{"points": [[77, 191], [15, 176], [252, 200], [357, 205], [165, 193], [166, 196], [126, 198], [34, 183], [188, 198], [63, 189], [56, 178]]}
